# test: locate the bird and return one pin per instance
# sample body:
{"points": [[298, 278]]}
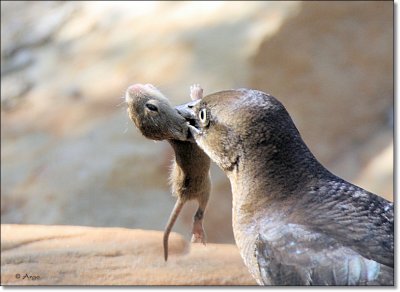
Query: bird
{"points": [[294, 222]]}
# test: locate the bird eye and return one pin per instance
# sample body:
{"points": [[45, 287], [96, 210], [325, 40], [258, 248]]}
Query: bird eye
{"points": [[203, 116], [152, 107]]}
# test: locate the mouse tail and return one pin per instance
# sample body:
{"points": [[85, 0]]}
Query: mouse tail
{"points": [[174, 215]]}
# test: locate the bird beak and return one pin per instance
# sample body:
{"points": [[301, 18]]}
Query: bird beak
{"points": [[187, 111]]}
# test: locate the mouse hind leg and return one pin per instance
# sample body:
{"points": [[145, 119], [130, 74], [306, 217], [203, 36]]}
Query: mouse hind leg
{"points": [[198, 232]]}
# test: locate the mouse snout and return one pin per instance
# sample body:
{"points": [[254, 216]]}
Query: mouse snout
{"points": [[133, 92], [135, 89]]}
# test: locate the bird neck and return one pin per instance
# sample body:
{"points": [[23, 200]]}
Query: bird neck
{"points": [[274, 172]]}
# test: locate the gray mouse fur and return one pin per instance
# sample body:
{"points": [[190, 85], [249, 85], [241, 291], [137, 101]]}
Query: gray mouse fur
{"points": [[153, 115]]}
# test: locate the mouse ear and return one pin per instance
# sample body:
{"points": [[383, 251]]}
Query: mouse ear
{"points": [[196, 92]]}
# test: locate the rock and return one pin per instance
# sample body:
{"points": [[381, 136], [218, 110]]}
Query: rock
{"points": [[13, 89], [74, 255], [71, 156], [332, 67], [19, 61], [42, 26], [82, 156]]}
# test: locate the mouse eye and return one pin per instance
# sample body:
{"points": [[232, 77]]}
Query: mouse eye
{"points": [[152, 107], [203, 116]]}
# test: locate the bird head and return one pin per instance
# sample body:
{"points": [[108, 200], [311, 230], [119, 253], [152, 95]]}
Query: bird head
{"points": [[228, 125]]}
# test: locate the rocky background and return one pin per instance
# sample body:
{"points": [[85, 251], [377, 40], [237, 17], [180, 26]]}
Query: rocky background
{"points": [[76, 255], [71, 156]]}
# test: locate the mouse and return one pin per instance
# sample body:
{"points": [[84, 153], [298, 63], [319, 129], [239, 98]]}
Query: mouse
{"points": [[153, 115]]}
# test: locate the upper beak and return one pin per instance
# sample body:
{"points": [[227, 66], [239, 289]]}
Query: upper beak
{"points": [[186, 110]]}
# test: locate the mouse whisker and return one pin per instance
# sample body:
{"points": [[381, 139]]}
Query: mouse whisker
{"points": [[121, 103]]}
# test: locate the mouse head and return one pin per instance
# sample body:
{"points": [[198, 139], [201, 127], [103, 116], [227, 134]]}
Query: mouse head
{"points": [[153, 115]]}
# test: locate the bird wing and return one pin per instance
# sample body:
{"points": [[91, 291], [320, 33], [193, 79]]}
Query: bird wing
{"points": [[354, 217], [293, 255]]}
